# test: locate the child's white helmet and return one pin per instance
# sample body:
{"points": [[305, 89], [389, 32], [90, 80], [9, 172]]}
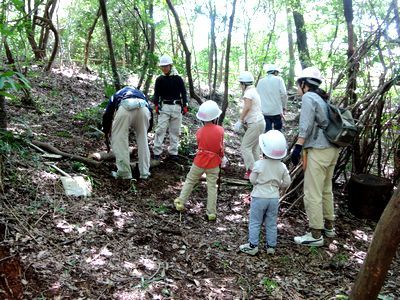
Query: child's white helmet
{"points": [[208, 111], [273, 144]]}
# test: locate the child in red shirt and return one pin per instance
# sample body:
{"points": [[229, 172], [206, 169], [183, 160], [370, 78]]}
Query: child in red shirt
{"points": [[210, 152]]}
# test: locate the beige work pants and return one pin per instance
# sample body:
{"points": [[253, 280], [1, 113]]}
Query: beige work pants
{"points": [[170, 118], [138, 119], [250, 148], [193, 178], [318, 196]]}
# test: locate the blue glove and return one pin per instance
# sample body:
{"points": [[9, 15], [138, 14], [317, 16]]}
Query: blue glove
{"points": [[296, 154]]}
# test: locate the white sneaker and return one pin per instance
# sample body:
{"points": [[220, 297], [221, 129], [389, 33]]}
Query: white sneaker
{"points": [[248, 250], [270, 251], [308, 240], [330, 233]]}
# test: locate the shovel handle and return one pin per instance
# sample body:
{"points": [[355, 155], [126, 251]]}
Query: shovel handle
{"points": [[58, 169], [36, 147]]}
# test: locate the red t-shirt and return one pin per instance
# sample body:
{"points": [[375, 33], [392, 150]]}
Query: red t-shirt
{"points": [[210, 146]]}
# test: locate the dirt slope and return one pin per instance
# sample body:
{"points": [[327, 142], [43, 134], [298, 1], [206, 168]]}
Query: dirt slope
{"points": [[127, 242]]}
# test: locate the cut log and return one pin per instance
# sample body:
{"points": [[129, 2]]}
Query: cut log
{"points": [[368, 195], [380, 253], [103, 155], [54, 150]]}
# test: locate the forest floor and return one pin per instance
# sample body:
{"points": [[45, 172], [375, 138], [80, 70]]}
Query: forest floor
{"points": [[126, 241]]}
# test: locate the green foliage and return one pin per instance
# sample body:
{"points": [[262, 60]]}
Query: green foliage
{"points": [[11, 80], [188, 142], [269, 284], [159, 209], [79, 167], [9, 144]]}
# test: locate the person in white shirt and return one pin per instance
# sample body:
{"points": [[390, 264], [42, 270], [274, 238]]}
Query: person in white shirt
{"points": [[252, 117], [268, 176], [273, 96]]}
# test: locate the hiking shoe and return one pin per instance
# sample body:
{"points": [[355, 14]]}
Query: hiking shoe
{"points": [[119, 176], [330, 233], [179, 206], [247, 175], [248, 249], [145, 176], [270, 251], [308, 240], [211, 217]]}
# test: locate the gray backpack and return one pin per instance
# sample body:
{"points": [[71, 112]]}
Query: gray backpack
{"points": [[341, 129]]}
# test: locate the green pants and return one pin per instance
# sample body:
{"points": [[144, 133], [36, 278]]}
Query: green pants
{"points": [[193, 178]]}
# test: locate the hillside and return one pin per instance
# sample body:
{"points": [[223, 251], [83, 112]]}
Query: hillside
{"points": [[126, 241]]}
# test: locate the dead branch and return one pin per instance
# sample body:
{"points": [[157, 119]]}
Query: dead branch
{"points": [[54, 150]]}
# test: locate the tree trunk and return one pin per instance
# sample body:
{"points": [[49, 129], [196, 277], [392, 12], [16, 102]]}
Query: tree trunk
{"points": [[350, 96], [187, 53], [150, 57], [301, 33], [47, 23], [89, 39], [292, 59], [228, 50], [3, 113], [380, 253], [103, 8], [48, 14], [212, 58]]}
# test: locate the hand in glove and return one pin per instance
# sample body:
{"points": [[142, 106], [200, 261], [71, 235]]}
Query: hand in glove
{"points": [[184, 110], [296, 154], [237, 126], [157, 110]]}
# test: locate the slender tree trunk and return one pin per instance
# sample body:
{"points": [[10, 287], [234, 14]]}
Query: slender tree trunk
{"points": [[44, 22], [351, 96], [89, 38], [212, 59], [246, 46], [396, 16], [221, 66], [187, 53], [380, 253], [3, 113], [103, 8], [172, 36], [150, 56], [292, 59], [301, 33], [228, 50]]}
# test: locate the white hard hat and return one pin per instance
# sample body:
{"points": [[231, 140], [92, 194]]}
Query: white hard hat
{"points": [[312, 75], [246, 76], [273, 144], [208, 111], [165, 60], [272, 68]]}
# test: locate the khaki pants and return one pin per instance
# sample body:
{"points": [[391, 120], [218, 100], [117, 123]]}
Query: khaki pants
{"points": [[170, 118], [318, 197], [192, 179], [250, 148], [138, 119]]}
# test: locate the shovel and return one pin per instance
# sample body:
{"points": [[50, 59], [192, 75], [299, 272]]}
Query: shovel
{"points": [[73, 186]]}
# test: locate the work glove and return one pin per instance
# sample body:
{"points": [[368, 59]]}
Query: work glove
{"points": [[184, 110], [237, 126], [157, 110], [296, 154], [224, 162]]}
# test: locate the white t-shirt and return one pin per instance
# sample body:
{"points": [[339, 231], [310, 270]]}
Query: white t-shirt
{"points": [[255, 113], [267, 176]]}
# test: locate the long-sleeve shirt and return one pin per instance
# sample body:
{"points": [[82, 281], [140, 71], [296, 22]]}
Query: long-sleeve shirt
{"points": [[267, 176], [273, 95], [210, 146], [313, 117], [169, 87], [113, 104]]}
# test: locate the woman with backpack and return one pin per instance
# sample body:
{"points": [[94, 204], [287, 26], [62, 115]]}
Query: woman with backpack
{"points": [[321, 157]]}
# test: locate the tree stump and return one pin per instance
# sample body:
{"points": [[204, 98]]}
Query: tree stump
{"points": [[368, 195]]}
